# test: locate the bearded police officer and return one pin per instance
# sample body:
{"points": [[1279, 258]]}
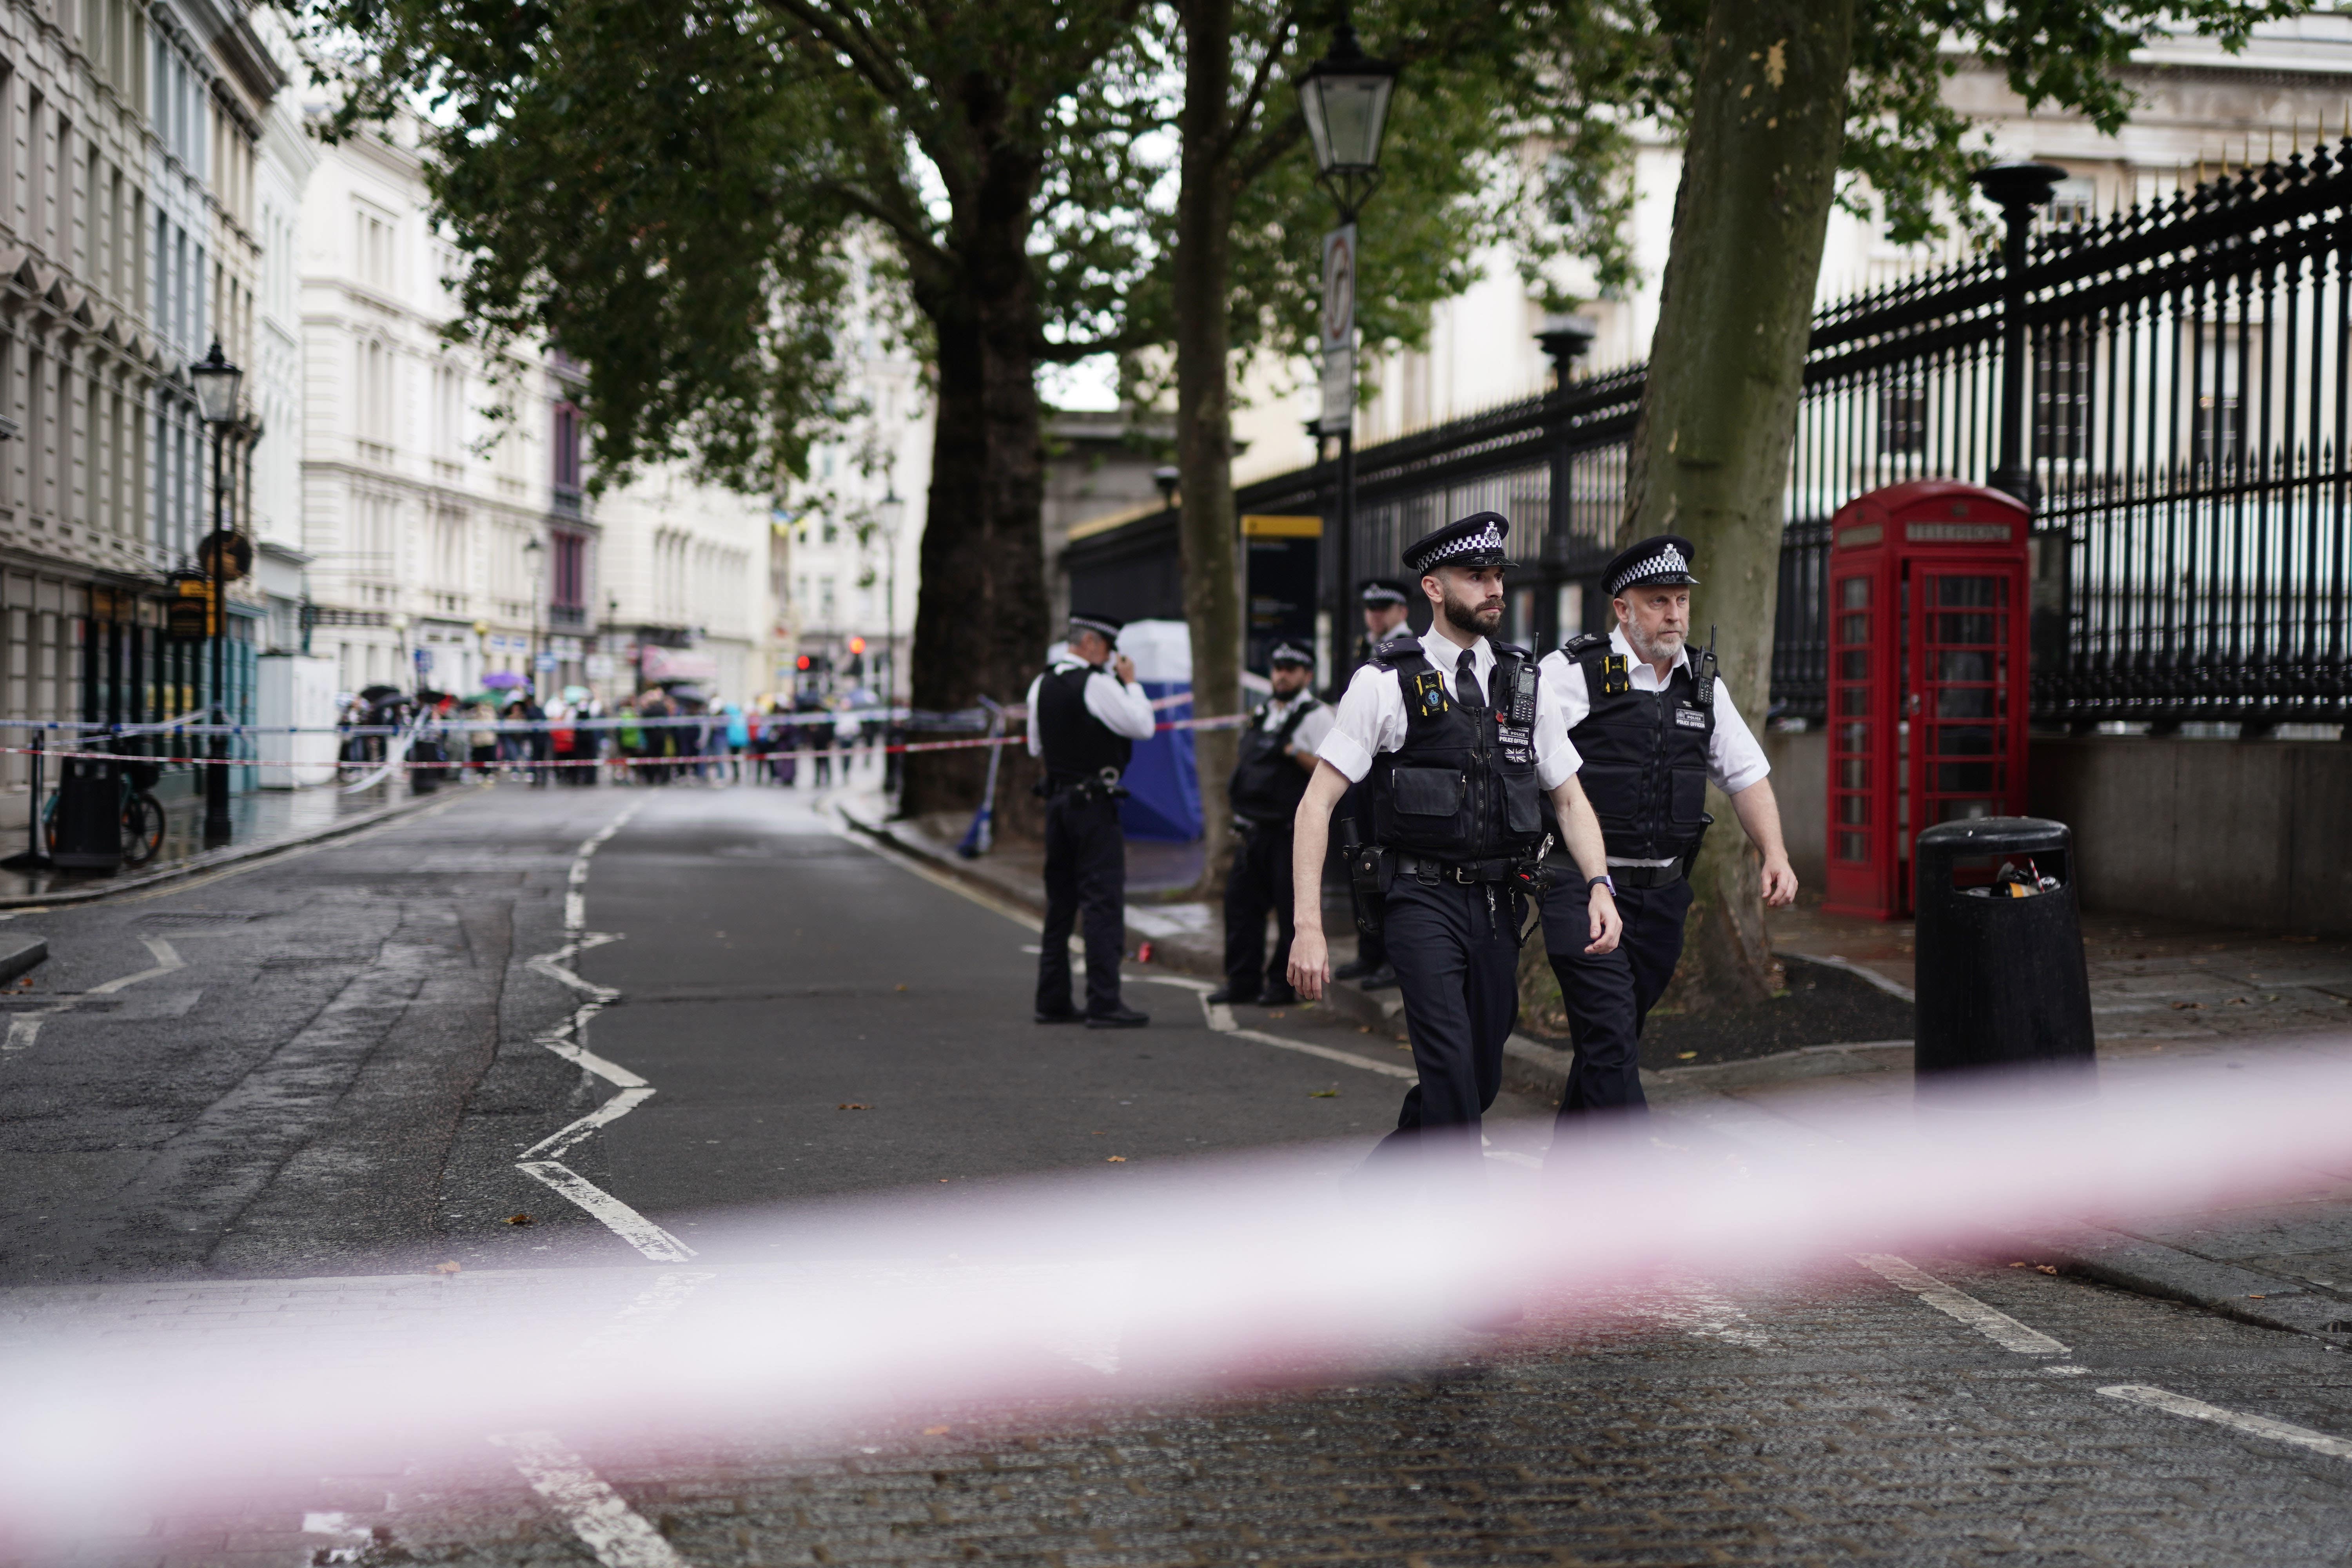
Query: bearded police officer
{"points": [[1460, 744], [1277, 753], [1654, 730], [1084, 721], [1386, 603]]}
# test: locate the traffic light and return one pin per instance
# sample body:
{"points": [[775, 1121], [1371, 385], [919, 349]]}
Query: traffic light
{"points": [[804, 662], [857, 644]]}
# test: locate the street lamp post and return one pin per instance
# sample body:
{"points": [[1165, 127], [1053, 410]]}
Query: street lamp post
{"points": [[535, 556], [889, 513], [216, 383], [1344, 97]]}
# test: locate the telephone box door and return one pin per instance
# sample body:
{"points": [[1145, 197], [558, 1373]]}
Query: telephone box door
{"points": [[1863, 779], [1964, 682]]}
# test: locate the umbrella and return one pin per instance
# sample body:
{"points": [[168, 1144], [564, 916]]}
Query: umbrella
{"points": [[502, 679], [378, 693], [684, 692]]}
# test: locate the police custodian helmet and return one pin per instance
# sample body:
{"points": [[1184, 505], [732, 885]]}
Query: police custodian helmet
{"points": [[1663, 560], [1475, 540]]}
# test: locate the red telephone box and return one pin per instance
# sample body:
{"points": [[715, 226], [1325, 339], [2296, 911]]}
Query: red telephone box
{"points": [[1927, 670]]}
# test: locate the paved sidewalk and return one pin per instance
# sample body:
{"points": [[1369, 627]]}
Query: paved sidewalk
{"points": [[263, 822]]}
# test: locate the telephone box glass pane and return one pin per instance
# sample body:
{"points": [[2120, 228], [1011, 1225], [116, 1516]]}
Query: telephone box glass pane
{"points": [[1853, 594], [1853, 738], [1853, 845], [1854, 699], [1854, 664], [1852, 629], [1853, 773], [1855, 809]]}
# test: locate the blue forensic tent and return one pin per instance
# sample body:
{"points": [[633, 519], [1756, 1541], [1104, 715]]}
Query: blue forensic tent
{"points": [[1164, 803]]}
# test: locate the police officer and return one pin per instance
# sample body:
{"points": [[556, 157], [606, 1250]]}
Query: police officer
{"points": [[1277, 753], [1085, 716], [1653, 730], [1461, 745], [1386, 603]]}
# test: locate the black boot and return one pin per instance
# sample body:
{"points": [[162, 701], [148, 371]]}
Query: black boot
{"points": [[1119, 1017]]}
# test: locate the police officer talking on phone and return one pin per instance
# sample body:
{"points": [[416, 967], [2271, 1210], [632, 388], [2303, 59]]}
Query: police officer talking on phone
{"points": [[1085, 713], [1461, 745], [1654, 728], [1278, 753]]}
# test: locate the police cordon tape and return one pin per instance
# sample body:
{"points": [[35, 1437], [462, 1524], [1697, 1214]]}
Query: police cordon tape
{"points": [[618, 758], [853, 1322], [804, 718]]}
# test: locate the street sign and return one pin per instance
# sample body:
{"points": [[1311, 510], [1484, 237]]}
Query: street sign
{"points": [[545, 661], [1339, 288], [187, 620], [1338, 328], [424, 661], [236, 549]]}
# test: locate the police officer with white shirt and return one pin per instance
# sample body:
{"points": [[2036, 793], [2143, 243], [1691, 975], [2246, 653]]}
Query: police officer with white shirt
{"points": [[1278, 753], [1653, 730], [1085, 716], [1461, 744], [1387, 605]]}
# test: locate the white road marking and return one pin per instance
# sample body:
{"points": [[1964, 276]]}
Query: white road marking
{"points": [[1703, 1312], [1220, 1017], [565, 1040], [636, 1320], [2253, 1425], [26, 1028], [617, 1533], [1993, 1325]]}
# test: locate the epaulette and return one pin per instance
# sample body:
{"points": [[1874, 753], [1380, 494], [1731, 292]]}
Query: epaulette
{"points": [[1583, 642], [1512, 650], [1396, 650]]}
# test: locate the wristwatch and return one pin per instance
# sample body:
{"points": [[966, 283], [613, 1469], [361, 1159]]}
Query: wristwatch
{"points": [[1601, 881]]}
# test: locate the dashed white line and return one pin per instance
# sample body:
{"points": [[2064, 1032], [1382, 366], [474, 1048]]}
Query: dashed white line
{"points": [[2237, 1421], [1992, 1323], [617, 1533]]}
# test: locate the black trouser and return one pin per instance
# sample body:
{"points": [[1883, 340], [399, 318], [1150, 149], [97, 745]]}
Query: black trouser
{"points": [[1085, 869], [1457, 958], [1259, 881], [1371, 947], [1608, 996]]}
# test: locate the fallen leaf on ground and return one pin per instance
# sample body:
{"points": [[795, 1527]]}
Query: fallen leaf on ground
{"points": [[2237, 1001], [852, 1105], [520, 1219], [2045, 1268], [933, 1431], [902, 988], [1363, 1028], [2184, 1006], [1685, 1056], [1116, 1159], [445, 1269], [1324, 1094]]}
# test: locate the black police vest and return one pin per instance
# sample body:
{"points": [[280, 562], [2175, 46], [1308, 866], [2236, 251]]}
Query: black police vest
{"points": [[1267, 784], [1461, 788], [1644, 754], [1076, 744]]}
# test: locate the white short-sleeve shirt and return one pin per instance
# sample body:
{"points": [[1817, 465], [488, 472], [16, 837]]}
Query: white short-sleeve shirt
{"points": [[1734, 760], [1312, 728], [1372, 718], [1123, 707]]}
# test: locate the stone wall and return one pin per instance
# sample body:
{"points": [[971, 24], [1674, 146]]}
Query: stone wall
{"points": [[2244, 832]]}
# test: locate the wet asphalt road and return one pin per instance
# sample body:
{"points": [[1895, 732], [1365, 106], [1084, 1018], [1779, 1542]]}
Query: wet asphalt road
{"points": [[327, 1067]]}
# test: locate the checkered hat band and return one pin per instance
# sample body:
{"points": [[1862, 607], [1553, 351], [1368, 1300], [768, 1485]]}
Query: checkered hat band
{"points": [[1666, 563], [1088, 624], [1487, 538], [1290, 653], [1383, 596]]}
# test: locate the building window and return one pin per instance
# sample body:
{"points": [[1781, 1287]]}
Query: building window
{"points": [[568, 588], [373, 249], [567, 458]]}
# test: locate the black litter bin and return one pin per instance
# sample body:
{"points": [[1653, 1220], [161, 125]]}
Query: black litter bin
{"points": [[86, 833], [424, 760], [2002, 978]]}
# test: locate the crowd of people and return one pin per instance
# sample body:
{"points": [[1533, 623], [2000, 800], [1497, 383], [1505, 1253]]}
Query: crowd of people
{"points": [[660, 736]]}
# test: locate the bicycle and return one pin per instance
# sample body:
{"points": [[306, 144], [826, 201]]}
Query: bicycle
{"points": [[142, 815]]}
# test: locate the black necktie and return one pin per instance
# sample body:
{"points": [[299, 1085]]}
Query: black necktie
{"points": [[1466, 683]]}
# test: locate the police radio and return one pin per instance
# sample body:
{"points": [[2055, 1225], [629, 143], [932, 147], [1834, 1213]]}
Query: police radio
{"points": [[1702, 680], [1521, 713]]}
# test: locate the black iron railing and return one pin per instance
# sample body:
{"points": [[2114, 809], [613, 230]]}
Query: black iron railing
{"points": [[2190, 380]]}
